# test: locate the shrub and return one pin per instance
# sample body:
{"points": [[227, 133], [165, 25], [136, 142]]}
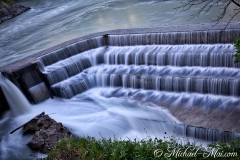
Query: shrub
{"points": [[236, 43]]}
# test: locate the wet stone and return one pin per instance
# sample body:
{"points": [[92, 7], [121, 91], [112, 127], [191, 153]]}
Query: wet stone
{"points": [[46, 133], [7, 12]]}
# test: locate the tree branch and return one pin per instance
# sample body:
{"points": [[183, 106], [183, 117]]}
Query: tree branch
{"points": [[223, 5], [236, 3]]}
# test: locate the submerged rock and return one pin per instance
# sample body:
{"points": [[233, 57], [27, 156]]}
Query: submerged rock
{"points": [[7, 12], [46, 132]]}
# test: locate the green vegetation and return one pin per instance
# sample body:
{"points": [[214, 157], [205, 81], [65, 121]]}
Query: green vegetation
{"points": [[236, 43], [10, 2], [6, 1], [111, 149]]}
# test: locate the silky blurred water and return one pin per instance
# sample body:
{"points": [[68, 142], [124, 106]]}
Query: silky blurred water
{"points": [[94, 112], [90, 114]]}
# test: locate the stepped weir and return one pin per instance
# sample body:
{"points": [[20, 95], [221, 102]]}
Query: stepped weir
{"points": [[187, 69]]}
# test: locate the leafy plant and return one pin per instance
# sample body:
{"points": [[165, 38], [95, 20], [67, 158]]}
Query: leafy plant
{"points": [[236, 43]]}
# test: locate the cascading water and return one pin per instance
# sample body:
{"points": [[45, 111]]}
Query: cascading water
{"points": [[16, 100], [137, 91], [93, 113], [193, 69], [199, 68], [139, 83], [19, 107], [180, 68]]}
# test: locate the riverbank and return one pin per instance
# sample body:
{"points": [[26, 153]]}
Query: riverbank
{"points": [[91, 148], [10, 11]]}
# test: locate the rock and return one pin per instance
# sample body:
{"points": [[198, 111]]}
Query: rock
{"points": [[46, 133], [36, 124], [7, 12]]}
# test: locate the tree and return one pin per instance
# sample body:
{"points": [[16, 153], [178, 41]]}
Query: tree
{"points": [[207, 5], [223, 5]]}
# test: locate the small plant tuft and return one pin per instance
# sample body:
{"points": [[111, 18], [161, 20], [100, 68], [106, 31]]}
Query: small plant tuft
{"points": [[236, 43]]}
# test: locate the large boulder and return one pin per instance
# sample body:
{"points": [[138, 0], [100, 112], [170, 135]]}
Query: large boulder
{"points": [[7, 12], [46, 133]]}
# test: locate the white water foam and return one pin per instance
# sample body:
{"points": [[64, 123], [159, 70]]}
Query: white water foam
{"points": [[91, 114], [16, 100]]}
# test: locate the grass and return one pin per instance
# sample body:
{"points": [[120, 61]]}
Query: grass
{"points": [[148, 149]]}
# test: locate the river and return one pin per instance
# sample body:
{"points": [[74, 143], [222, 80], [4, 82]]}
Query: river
{"points": [[107, 112]]}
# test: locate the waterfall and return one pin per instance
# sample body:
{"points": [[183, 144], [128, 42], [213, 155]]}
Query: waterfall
{"points": [[123, 84], [190, 77], [201, 68], [120, 84], [169, 72], [200, 80], [16, 100], [175, 55], [197, 37]]}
